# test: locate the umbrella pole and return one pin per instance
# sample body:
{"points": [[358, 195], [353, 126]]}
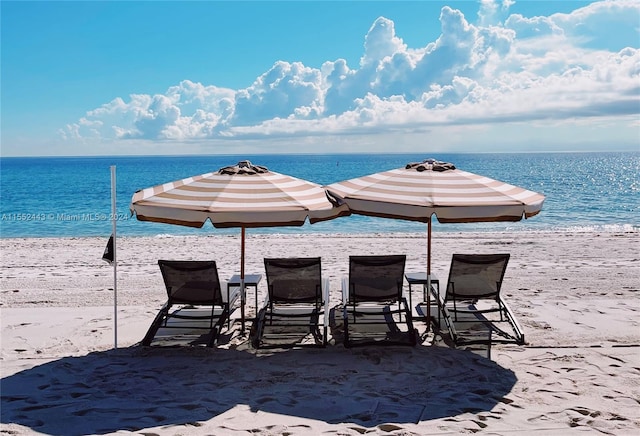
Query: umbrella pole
{"points": [[429, 249], [242, 254], [429, 273], [242, 289]]}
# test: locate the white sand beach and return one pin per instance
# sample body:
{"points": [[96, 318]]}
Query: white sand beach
{"points": [[576, 295]]}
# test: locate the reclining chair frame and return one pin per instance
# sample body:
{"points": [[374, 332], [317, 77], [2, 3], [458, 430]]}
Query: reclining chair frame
{"points": [[191, 294], [354, 302], [451, 301], [309, 307]]}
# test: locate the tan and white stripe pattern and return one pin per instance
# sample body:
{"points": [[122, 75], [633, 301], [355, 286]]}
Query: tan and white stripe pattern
{"points": [[244, 199], [452, 195]]}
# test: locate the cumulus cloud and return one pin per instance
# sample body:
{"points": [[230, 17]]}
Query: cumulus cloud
{"points": [[501, 69], [286, 90]]}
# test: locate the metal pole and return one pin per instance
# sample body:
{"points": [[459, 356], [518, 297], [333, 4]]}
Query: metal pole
{"points": [[429, 273], [242, 254], [115, 256], [243, 297], [429, 249]]}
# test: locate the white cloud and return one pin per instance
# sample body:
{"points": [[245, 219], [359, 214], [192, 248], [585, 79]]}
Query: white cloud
{"points": [[279, 93], [503, 69], [611, 24], [381, 42], [492, 11]]}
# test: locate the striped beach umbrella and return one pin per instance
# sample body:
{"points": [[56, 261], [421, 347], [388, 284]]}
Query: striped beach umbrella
{"points": [[423, 189], [243, 195]]}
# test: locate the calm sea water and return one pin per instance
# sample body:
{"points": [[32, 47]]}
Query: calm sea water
{"points": [[55, 197]]}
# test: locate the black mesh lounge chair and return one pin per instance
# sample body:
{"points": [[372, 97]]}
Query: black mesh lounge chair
{"points": [[374, 307], [297, 297], [473, 307], [198, 305]]}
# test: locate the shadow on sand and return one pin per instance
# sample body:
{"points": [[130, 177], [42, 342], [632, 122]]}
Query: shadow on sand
{"points": [[141, 387]]}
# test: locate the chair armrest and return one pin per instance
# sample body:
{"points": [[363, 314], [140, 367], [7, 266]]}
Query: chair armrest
{"points": [[436, 291], [230, 294], [325, 296], [345, 290]]}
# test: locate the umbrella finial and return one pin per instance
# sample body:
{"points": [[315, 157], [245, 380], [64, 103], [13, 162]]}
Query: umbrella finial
{"points": [[430, 165], [243, 167]]}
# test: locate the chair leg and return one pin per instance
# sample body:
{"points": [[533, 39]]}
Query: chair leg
{"points": [[216, 328], [155, 325], [261, 319], [345, 327], [409, 320]]}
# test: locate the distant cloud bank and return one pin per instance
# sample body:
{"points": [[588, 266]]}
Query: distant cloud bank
{"points": [[560, 67]]}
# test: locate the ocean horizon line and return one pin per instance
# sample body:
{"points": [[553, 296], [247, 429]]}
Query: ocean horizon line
{"points": [[376, 153]]}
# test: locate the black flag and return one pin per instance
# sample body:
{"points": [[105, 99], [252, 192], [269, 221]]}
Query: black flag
{"points": [[108, 251]]}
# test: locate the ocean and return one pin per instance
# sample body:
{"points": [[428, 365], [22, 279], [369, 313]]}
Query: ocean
{"points": [[71, 196]]}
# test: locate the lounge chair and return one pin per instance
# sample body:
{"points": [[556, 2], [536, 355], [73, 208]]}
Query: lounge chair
{"points": [[198, 304], [297, 298], [370, 295], [473, 307]]}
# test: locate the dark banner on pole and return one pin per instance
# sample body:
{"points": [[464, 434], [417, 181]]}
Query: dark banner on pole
{"points": [[108, 251]]}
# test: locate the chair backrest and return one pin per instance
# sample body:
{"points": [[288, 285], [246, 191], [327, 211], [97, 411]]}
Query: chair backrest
{"points": [[376, 278], [191, 281], [476, 276], [294, 280]]}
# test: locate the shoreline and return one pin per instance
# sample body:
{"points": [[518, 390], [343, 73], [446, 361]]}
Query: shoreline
{"points": [[574, 294], [293, 231]]}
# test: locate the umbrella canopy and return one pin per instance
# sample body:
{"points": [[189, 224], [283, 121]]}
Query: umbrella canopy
{"points": [[243, 195], [423, 189]]}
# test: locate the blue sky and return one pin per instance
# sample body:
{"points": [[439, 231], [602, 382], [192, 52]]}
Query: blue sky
{"points": [[111, 78]]}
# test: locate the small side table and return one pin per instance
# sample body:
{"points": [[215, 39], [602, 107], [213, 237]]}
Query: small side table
{"points": [[421, 279], [250, 280]]}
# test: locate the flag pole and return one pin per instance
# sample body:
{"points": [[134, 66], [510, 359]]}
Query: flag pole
{"points": [[115, 259]]}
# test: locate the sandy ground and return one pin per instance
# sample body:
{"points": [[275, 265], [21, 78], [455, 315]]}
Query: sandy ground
{"points": [[576, 296]]}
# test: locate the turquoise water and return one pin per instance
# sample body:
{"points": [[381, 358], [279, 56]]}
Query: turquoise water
{"points": [[62, 197]]}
